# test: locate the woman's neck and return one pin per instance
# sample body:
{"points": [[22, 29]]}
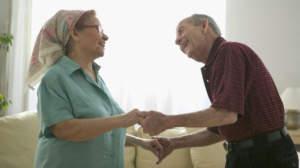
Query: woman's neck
{"points": [[85, 62]]}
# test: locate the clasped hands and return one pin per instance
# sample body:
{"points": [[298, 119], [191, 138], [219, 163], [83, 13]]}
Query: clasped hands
{"points": [[154, 123]]}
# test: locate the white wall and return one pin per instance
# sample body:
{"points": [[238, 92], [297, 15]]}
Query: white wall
{"points": [[271, 28]]}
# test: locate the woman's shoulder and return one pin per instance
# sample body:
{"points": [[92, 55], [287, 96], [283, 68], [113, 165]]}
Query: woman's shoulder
{"points": [[54, 72]]}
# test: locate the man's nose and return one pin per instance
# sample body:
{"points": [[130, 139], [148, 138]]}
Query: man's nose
{"points": [[177, 41]]}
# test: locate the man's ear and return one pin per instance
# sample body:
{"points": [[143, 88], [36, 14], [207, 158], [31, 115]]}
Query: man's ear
{"points": [[74, 34], [205, 26]]}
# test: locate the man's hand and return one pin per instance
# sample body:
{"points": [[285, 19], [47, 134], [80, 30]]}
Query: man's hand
{"points": [[167, 145], [154, 122]]}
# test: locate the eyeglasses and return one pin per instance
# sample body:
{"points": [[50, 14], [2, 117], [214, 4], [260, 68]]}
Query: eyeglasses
{"points": [[97, 27]]}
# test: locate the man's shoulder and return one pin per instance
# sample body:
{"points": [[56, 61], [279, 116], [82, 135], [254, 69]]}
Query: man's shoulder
{"points": [[233, 45], [236, 48]]}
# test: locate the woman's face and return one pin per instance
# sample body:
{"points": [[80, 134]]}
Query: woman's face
{"points": [[92, 39]]}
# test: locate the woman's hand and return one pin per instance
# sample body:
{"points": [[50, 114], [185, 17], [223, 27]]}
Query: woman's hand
{"points": [[131, 118], [148, 144], [152, 145]]}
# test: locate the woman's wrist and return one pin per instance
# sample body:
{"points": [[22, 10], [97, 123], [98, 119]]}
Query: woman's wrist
{"points": [[134, 141]]}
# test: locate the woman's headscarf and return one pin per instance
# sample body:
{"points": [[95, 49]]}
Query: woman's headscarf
{"points": [[50, 44]]}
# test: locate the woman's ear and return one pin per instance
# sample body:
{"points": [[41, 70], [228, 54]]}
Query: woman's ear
{"points": [[74, 34]]}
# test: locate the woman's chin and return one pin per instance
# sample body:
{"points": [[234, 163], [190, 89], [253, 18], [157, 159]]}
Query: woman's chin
{"points": [[100, 55]]}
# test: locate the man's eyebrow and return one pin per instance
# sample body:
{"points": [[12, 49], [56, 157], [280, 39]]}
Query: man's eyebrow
{"points": [[178, 31]]}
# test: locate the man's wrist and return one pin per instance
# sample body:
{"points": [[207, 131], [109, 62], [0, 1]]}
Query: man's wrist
{"points": [[172, 121], [168, 122], [174, 142]]}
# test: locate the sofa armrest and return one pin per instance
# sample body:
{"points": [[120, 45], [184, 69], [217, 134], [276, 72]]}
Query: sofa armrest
{"points": [[19, 138]]}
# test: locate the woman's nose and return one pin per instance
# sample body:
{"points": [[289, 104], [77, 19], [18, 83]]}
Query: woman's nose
{"points": [[105, 37]]}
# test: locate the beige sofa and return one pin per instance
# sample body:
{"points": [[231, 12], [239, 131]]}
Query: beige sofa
{"points": [[19, 137]]}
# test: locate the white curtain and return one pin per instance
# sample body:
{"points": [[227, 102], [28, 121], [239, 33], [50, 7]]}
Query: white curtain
{"points": [[4, 28], [142, 66], [18, 56]]}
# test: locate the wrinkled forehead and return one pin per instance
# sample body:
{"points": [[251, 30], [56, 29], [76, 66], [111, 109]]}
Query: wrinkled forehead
{"points": [[183, 23]]}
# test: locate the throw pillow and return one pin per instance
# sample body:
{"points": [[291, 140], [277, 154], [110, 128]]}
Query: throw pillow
{"points": [[212, 156]]}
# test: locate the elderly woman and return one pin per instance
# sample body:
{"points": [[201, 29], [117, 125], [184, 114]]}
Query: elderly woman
{"points": [[81, 124]]}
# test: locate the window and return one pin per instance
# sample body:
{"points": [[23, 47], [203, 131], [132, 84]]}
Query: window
{"points": [[142, 66]]}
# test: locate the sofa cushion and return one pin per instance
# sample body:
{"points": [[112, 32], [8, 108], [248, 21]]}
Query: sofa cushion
{"points": [[19, 138], [129, 152], [179, 158], [212, 156]]}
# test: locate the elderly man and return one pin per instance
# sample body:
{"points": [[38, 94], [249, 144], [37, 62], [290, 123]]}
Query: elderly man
{"points": [[246, 110]]}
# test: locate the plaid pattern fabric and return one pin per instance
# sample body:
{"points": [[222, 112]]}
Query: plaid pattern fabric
{"points": [[236, 79]]}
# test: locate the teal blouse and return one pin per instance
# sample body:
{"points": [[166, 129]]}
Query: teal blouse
{"points": [[67, 92]]}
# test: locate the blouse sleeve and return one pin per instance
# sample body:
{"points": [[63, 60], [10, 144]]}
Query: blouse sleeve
{"points": [[53, 105]]}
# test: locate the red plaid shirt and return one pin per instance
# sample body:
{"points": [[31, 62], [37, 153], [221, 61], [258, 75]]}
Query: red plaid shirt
{"points": [[237, 80]]}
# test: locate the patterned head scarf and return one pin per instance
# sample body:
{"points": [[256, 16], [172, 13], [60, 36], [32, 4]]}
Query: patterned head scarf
{"points": [[50, 44]]}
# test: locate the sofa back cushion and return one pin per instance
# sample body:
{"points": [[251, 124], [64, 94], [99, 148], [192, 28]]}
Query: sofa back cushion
{"points": [[129, 152], [18, 139], [179, 158], [212, 156]]}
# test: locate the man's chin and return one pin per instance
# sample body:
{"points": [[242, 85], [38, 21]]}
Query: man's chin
{"points": [[194, 58], [190, 56]]}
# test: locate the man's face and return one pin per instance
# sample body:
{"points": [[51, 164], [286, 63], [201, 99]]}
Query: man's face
{"points": [[190, 39]]}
